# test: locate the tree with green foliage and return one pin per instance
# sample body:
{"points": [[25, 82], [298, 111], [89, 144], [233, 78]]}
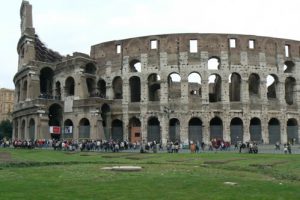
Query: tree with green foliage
{"points": [[5, 129]]}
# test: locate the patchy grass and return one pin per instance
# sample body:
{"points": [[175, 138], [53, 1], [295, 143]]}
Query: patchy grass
{"points": [[47, 174]]}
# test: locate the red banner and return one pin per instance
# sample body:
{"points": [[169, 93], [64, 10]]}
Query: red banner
{"points": [[55, 129]]}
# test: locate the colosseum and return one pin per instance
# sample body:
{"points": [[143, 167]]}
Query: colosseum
{"points": [[185, 87]]}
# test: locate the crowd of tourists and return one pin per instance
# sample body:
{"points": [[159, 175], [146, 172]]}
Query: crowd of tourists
{"points": [[143, 147]]}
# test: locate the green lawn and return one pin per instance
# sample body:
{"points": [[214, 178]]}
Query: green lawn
{"points": [[47, 174]]}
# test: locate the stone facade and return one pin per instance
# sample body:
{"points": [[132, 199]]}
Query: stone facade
{"points": [[187, 87], [6, 103]]}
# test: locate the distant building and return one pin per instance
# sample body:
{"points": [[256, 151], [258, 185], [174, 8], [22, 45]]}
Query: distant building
{"points": [[6, 103]]}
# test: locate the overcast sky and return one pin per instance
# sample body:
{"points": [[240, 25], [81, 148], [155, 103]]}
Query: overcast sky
{"points": [[74, 25]]}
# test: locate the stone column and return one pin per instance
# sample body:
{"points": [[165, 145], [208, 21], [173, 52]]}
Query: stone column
{"points": [[205, 130], [205, 91], [246, 125], [264, 129], [164, 127], [283, 128], [184, 130], [226, 130]]}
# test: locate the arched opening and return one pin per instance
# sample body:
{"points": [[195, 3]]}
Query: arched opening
{"points": [[174, 130], [18, 91], [274, 131], [31, 129], [154, 130], [118, 88], [101, 88], [70, 86], [22, 136], [290, 90], [292, 131], [235, 87], [91, 87], [216, 129], [135, 65], [106, 119], [57, 90], [272, 86], [253, 87], [255, 130], [55, 120], [90, 68], [46, 81], [117, 130], [214, 86], [289, 67], [174, 86], [213, 63], [24, 91], [135, 89], [236, 130], [195, 130], [68, 129], [84, 128], [194, 81], [154, 87], [134, 130], [16, 129]]}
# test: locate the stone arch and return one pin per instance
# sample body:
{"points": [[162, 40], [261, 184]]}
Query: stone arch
{"points": [[106, 119], [46, 81], [91, 87], [68, 129], [31, 128], [135, 65], [254, 86], [289, 67], [84, 128], [215, 87], [118, 87], [55, 116], [290, 90], [255, 130], [18, 91], [214, 63], [90, 68], [70, 86], [194, 82], [195, 130], [274, 131], [135, 89], [235, 87], [174, 85], [216, 128], [292, 131], [154, 87], [153, 130], [101, 86], [23, 126], [117, 130], [134, 127], [16, 129], [24, 90], [236, 130], [57, 90], [174, 130], [272, 87]]}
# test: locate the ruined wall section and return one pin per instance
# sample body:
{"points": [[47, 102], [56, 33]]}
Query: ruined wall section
{"points": [[250, 55]]}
